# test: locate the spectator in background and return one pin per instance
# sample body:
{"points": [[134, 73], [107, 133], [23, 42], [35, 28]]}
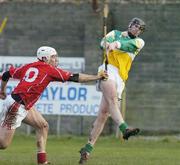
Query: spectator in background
{"points": [[19, 106], [121, 49]]}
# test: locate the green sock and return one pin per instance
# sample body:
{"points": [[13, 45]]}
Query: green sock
{"points": [[88, 147], [123, 127]]}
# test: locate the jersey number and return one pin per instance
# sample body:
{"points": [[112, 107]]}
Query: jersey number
{"points": [[31, 74]]}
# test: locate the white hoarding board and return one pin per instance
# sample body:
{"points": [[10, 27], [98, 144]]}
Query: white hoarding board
{"points": [[67, 63], [66, 99], [69, 99]]}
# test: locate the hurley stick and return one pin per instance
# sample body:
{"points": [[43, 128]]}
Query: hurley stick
{"points": [[105, 15]]}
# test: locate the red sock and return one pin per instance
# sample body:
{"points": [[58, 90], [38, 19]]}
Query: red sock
{"points": [[41, 157]]}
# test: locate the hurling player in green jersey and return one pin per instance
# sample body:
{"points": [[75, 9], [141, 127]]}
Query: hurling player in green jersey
{"points": [[121, 48]]}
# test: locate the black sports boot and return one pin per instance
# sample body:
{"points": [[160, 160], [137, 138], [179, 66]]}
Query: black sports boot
{"points": [[130, 132], [84, 156]]}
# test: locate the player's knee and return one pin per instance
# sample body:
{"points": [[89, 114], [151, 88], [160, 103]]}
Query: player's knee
{"points": [[42, 127], [45, 126], [113, 99], [3, 145]]}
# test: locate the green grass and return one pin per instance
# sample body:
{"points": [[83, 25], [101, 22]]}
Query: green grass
{"points": [[108, 151]]}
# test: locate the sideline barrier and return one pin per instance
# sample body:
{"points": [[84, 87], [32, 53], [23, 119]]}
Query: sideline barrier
{"points": [[66, 99]]}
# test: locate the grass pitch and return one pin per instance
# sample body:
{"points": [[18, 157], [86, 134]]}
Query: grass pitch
{"points": [[108, 151]]}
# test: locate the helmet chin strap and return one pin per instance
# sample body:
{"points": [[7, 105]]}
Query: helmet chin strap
{"points": [[45, 59], [131, 35]]}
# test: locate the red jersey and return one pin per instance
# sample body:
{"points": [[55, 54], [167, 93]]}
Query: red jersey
{"points": [[34, 78]]}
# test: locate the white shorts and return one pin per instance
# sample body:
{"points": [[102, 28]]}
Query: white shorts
{"points": [[11, 119], [113, 74]]}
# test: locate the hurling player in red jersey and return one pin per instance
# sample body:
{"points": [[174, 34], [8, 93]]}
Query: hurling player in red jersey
{"points": [[19, 106]]}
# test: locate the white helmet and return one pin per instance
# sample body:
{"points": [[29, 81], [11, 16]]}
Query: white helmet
{"points": [[45, 51]]}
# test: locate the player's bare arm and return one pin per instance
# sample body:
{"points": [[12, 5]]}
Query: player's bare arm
{"points": [[86, 77], [80, 77]]}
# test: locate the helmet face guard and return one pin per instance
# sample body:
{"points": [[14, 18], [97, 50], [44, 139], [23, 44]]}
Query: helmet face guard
{"points": [[139, 22]]}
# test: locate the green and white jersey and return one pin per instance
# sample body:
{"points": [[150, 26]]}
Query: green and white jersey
{"points": [[129, 47]]}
